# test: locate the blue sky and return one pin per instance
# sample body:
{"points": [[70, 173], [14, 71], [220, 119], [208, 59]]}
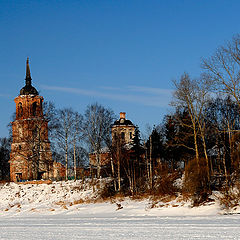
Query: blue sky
{"points": [[122, 54]]}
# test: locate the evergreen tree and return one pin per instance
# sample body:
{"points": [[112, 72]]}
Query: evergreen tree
{"points": [[137, 144], [5, 147]]}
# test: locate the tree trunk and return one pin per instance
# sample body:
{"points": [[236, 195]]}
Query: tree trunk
{"points": [[150, 165], [224, 164], [196, 144], [230, 146], [75, 161], [66, 158], [119, 176], [98, 165], [113, 175], [205, 151], [118, 165]]}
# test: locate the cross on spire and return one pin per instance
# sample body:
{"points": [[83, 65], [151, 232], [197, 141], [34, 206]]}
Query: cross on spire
{"points": [[28, 74]]}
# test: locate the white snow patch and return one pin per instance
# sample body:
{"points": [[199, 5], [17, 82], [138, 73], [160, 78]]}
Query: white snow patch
{"points": [[77, 197], [54, 211]]}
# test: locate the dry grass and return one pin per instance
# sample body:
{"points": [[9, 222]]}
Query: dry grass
{"points": [[2, 182], [140, 197], [230, 197], [163, 198], [175, 205], [119, 197], [60, 203], [18, 205], [78, 188], [184, 197], [36, 182], [79, 201], [65, 207]]}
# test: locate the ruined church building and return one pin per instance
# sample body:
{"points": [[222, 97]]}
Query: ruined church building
{"points": [[31, 156]]}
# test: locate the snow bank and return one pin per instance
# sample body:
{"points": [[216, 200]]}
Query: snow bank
{"points": [[35, 197], [77, 198]]}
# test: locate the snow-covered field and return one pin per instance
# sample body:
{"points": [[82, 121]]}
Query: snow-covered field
{"points": [[65, 226], [57, 211]]}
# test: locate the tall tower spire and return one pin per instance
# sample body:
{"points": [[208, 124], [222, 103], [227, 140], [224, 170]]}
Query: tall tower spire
{"points": [[28, 74], [31, 156], [28, 89]]}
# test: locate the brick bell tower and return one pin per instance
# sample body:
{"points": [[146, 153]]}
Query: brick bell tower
{"points": [[31, 157]]}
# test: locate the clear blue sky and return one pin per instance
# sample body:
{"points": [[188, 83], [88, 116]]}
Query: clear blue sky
{"points": [[122, 54]]}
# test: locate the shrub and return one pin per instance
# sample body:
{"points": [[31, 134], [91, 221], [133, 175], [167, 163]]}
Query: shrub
{"points": [[108, 190], [230, 196], [196, 181], [164, 183]]}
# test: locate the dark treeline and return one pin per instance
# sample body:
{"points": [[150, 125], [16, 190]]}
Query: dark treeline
{"points": [[198, 143]]}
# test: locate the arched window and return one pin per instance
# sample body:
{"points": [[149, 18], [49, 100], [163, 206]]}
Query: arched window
{"points": [[130, 135], [20, 110], [34, 108], [41, 104], [34, 133]]}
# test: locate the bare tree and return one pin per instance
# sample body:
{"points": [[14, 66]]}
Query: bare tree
{"points": [[223, 68], [96, 128], [222, 130], [118, 153], [77, 137], [193, 94], [64, 132], [50, 115], [185, 95]]}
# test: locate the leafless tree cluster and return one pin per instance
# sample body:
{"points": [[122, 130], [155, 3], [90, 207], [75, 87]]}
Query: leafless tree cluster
{"points": [[211, 105], [75, 135], [97, 130]]}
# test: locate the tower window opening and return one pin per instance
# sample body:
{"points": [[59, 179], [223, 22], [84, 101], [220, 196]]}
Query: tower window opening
{"points": [[122, 135], [34, 133], [130, 135], [41, 104], [20, 110], [34, 108]]}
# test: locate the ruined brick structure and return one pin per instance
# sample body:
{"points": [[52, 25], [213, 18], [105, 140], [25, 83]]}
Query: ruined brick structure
{"points": [[30, 157], [123, 130], [104, 157], [59, 171]]}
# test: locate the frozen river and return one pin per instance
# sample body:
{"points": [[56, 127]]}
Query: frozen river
{"points": [[63, 226]]}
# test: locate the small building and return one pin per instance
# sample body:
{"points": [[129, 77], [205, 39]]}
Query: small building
{"points": [[122, 130], [104, 157], [59, 171], [31, 157]]}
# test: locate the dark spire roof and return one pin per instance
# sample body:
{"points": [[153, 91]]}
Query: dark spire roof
{"points": [[28, 74], [122, 121], [28, 89]]}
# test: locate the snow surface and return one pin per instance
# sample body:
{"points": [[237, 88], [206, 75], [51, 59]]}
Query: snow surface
{"points": [[57, 211]]}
